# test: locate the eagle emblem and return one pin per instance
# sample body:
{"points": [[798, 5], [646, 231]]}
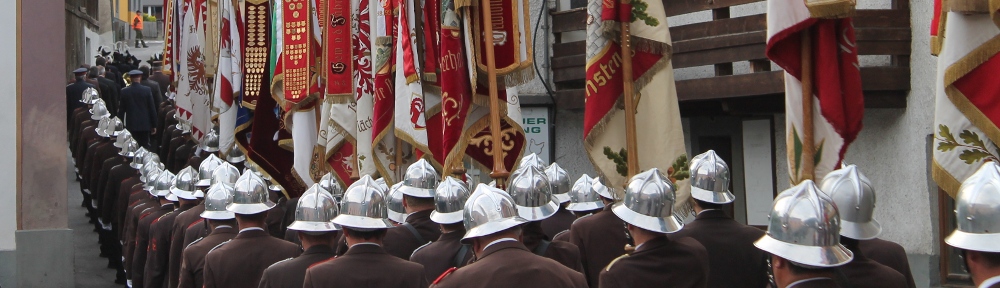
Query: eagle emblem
{"points": [[197, 73]]}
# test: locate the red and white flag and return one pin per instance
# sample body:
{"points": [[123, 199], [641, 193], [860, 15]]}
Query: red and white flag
{"points": [[384, 27], [838, 102], [411, 104], [966, 114], [193, 87], [229, 77]]}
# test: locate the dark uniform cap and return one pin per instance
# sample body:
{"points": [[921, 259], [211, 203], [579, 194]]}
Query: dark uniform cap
{"points": [[80, 70], [135, 73]]}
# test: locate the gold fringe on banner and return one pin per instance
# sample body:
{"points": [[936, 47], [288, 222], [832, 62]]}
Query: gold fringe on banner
{"points": [[831, 9]]}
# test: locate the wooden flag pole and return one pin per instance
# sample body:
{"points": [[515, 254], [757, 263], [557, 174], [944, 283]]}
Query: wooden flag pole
{"points": [[808, 149], [355, 174], [500, 172], [398, 158], [631, 141]]}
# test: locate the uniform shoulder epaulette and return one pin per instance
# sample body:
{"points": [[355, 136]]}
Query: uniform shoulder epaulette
{"points": [[418, 249], [199, 221], [443, 275], [276, 263], [220, 245], [195, 241], [608, 268]]}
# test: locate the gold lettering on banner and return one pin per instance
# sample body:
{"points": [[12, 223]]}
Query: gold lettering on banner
{"points": [[607, 73]]}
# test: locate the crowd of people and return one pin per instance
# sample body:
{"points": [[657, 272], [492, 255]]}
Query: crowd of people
{"points": [[170, 212]]}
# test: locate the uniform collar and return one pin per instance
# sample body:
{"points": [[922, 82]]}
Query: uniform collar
{"points": [[419, 216], [990, 282], [796, 283], [365, 248], [320, 249], [711, 214], [224, 229], [251, 232], [452, 236], [501, 244], [651, 244]]}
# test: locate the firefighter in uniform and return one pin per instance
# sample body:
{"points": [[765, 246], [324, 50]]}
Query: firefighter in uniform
{"points": [[977, 214], [732, 259], [418, 200], [803, 239], [562, 219], [314, 213], [366, 264], [583, 202], [74, 92], [186, 218], [241, 262], [647, 210], [599, 237], [223, 224], [158, 259], [142, 234], [854, 195], [533, 199], [447, 251]]}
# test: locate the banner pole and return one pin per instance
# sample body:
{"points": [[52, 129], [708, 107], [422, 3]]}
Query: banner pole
{"points": [[499, 172], [398, 172], [631, 141], [808, 149]]}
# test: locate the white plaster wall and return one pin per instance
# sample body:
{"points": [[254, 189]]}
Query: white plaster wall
{"points": [[8, 127], [542, 47]]}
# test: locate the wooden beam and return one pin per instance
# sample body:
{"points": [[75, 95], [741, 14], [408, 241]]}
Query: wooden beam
{"points": [[569, 20], [678, 7], [716, 56], [713, 28]]}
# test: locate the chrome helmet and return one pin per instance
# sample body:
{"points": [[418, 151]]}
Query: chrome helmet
{"points": [[977, 211], [855, 199], [139, 158], [149, 181], [449, 200], [147, 169], [649, 203], [600, 189], [103, 126], [394, 204], [559, 181], [216, 200], [532, 195], [129, 149], [420, 180], [363, 206], [804, 228], [382, 185], [100, 110], [206, 169], [235, 154], [164, 181], [90, 96], [531, 160], [583, 197], [487, 211], [225, 174], [125, 136], [210, 142], [315, 210], [330, 184], [710, 179], [151, 158], [117, 127], [250, 196], [184, 184]]}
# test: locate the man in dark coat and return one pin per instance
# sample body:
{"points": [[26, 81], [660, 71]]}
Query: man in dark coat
{"points": [[74, 92], [890, 254], [162, 80], [223, 228], [109, 91], [153, 86], [599, 237], [317, 235], [447, 251], [138, 110]]}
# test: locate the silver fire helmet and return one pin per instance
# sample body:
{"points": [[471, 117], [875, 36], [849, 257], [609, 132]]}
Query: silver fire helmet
{"points": [[315, 211], [184, 184], [90, 96], [855, 199], [559, 181], [225, 174], [235, 154], [531, 160], [487, 211], [210, 142], [100, 110], [149, 181], [216, 200], [150, 159], [449, 200], [363, 206], [582, 197], [977, 211], [600, 189], [710, 179], [117, 127], [140, 157], [394, 204], [250, 196], [532, 195], [125, 136], [649, 203], [129, 149], [804, 228], [330, 184], [103, 127], [420, 180], [380, 182], [147, 169], [206, 168], [164, 181]]}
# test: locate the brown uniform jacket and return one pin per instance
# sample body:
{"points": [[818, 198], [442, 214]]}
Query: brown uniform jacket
{"points": [[193, 260], [510, 264], [442, 254], [862, 272], [733, 260], [142, 237], [291, 272], [563, 252], [129, 186], [600, 238], [400, 242], [889, 254], [558, 222], [241, 261], [816, 283], [682, 263], [366, 265], [116, 177], [158, 258], [181, 223], [197, 229], [137, 212]]}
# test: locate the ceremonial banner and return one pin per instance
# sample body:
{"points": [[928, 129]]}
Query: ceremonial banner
{"points": [[511, 41], [937, 27], [410, 106], [838, 102], [256, 47], [478, 140], [456, 87], [168, 38], [383, 99], [230, 72], [660, 138], [966, 113], [337, 49], [296, 57], [193, 88]]}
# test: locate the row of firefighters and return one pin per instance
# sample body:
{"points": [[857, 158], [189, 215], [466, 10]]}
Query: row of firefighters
{"points": [[171, 213]]}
